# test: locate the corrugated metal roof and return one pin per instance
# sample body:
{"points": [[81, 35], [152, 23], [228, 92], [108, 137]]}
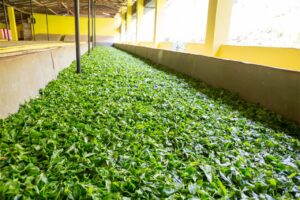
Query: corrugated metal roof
{"points": [[104, 8]]}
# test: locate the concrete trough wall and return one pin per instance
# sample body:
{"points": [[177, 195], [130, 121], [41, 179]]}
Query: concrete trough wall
{"points": [[22, 76], [52, 37], [275, 89], [100, 39]]}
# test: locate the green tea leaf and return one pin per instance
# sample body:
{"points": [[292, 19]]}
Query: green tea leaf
{"points": [[207, 169], [129, 129]]}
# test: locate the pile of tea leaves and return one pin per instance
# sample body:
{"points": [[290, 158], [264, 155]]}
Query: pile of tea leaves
{"points": [[128, 129]]}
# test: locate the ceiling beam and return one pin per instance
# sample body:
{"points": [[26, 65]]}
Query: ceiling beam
{"points": [[18, 9], [64, 7], [41, 4], [67, 8]]}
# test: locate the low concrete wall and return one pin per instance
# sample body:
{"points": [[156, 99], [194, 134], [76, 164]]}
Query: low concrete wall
{"points": [[84, 38], [22, 76], [71, 38], [44, 37], [275, 89]]}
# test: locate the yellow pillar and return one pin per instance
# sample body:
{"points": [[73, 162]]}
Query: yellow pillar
{"points": [[12, 23], [218, 25], [158, 22], [123, 24], [139, 18], [129, 19]]}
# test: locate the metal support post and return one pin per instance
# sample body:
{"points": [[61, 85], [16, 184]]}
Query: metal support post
{"points": [[89, 27], [47, 23], [32, 22], [77, 35]]}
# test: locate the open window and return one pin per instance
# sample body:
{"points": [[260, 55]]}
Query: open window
{"points": [[147, 27], [185, 21], [132, 36], [271, 23]]}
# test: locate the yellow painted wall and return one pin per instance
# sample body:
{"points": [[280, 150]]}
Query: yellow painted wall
{"points": [[161, 45], [195, 48], [147, 44], [165, 45], [12, 23], [20, 27], [2, 25], [129, 19], [139, 18], [218, 24], [65, 25], [287, 58]]}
